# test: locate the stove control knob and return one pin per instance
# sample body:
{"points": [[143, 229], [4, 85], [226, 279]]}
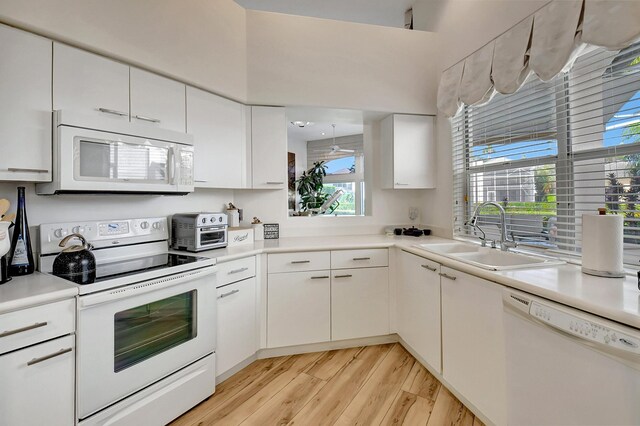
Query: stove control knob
{"points": [[157, 225], [212, 220], [78, 229], [204, 220], [59, 233], [144, 225]]}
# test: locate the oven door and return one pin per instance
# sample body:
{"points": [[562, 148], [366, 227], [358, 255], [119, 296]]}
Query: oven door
{"points": [[97, 161], [211, 236], [133, 336]]}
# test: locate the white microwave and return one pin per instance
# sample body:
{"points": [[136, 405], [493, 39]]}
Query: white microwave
{"points": [[93, 155]]}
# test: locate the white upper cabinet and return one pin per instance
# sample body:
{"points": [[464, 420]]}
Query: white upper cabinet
{"points": [[218, 126], [89, 83], [269, 147], [157, 101], [408, 151], [25, 106]]}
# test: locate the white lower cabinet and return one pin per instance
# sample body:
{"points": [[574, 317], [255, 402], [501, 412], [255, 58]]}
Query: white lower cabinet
{"points": [[418, 309], [37, 384], [473, 347], [298, 308], [359, 303], [237, 332]]}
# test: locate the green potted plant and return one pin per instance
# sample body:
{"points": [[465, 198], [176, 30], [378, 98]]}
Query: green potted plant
{"points": [[310, 187]]}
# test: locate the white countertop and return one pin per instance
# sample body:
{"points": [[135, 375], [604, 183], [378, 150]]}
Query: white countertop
{"points": [[35, 289], [617, 299]]}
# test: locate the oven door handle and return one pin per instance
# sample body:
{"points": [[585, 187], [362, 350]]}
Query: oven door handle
{"points": [[144, 287]]}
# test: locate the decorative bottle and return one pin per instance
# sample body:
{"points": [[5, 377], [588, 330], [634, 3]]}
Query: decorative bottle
{"points": [[21, 254]]}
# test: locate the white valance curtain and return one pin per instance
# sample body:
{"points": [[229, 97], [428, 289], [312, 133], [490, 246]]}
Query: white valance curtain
{"points": [[546, 43]]}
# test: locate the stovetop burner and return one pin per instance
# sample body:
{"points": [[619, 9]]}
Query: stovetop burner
{"points": [[130, 267]]}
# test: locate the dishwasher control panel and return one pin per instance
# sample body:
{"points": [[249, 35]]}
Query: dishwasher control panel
{"points": [[585, 329]]}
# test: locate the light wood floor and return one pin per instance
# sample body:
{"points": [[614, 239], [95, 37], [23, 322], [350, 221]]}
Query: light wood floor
{"points": [[373, 385]]}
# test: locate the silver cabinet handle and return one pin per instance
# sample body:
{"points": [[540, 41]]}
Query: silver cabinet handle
{"points": [[429, 268], [343, 276], [449, 277], [232, 292], [237, 271], [46, 357], [144, 118], [402, 184], [113, 112], [20, 330], [321, 277], [200, 181], [20, 169], [361, 258], [296, 262], [275, 183]]}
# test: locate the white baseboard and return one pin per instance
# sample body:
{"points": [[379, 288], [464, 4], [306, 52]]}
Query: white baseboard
{"points": [[233, 370], [327, 346]]}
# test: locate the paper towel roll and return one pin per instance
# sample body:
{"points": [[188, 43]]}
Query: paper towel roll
{"points": [[602, 245]]}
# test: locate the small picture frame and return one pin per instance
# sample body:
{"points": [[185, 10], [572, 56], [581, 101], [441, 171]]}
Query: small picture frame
{"points": [[271, 231]]}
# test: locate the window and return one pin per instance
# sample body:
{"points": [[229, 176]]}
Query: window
{"points": [[553, 151], [345, 170]]}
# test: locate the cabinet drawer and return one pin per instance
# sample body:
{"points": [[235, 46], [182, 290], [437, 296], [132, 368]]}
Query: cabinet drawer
{"points": [[296, 262], [38, 384], [236, 270], [32, 325], [367, 258]]}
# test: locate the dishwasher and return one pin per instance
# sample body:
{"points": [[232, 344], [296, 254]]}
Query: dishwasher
{"points": [[567, 367]]}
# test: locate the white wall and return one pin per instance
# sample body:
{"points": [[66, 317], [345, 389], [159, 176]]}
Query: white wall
{"points": [[69, 208], [294, 60], [463, 26], [202, 42], [387, 207]]}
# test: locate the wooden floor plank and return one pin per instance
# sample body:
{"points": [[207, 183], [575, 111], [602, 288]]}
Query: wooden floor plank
{"points": [[280, 409], [408, 409], [477, 422], [243, 404], [332, 362], [333, 398], [373, 385], [422, 383], [374, 399], [449, 411], [256, 372]]}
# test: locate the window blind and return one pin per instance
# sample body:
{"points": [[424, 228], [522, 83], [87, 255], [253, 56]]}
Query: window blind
{"points": [[553, 151]]}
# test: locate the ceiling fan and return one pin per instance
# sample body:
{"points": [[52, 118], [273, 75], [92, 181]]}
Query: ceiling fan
{"points": [[335, 148]]}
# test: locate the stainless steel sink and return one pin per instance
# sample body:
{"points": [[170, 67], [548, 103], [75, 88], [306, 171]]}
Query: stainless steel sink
{"points": [[487, 258]]}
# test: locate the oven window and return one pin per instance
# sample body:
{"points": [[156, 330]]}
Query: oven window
{"points": [[145, 331], [211, 237]]}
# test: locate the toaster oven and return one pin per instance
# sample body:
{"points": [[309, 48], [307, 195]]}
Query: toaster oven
{"points": [[198, 231]]}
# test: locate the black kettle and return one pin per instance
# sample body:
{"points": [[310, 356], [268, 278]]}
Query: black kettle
{"points": [[76, 263]]}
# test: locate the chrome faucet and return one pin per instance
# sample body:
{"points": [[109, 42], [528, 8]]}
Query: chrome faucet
{"points": [[505, 242]]}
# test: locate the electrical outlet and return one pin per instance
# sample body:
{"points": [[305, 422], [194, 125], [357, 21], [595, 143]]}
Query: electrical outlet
{"points": [[414, 212]]}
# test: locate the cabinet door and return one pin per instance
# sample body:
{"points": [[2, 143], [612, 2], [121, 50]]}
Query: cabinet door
{"points": [[38, 384], [414, 154], [419, 306], [236, 324], [157, 101], [359, 303], [269, 147], [473, 341], [298, 308], [25, 110], [219, 129], [88, 83]]}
